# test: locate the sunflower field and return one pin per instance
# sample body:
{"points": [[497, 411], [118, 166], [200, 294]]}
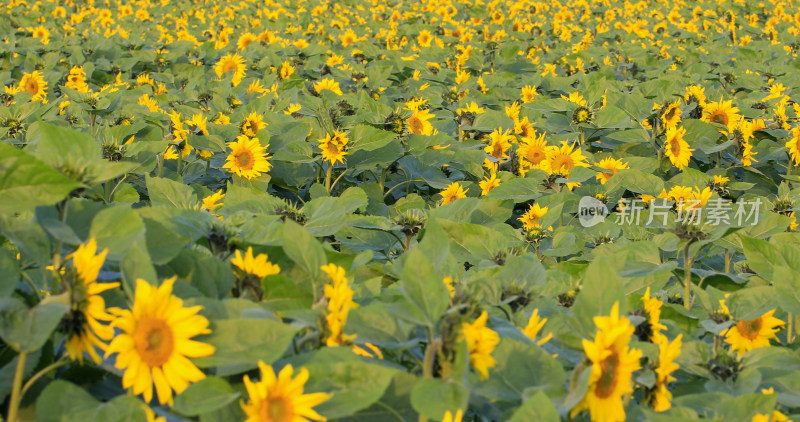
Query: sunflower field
{"points": [[444, 210]]}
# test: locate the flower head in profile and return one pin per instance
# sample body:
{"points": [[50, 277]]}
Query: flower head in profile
{"points": [[212, 202], [489, 183], [676, 148], [251, 124], [613, 364], [793, 145], [340, 302], [754, 333], [155, 342], [248, 158], [659, 397], [328, 84], [652, 332], [611, 165], [452, 192], [535, 325], [530, 220], [231, 63], [258, 265], [280, 398], [481, 341], [85, 324]]}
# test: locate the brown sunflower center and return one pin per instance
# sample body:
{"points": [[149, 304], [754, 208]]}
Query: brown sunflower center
{"points": [[535, 155], [749, 329], [608, 377], [32, 86], [276, 409], [675, 147], [154, 341], [415, 125], [229, 65], [244, 159], [497, 150], [562, 162], [719, 117]]}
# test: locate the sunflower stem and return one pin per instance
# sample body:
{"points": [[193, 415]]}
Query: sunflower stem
{"points": [[427, 364], [789, 321], [727, 262], [328, 173], [13, 403], [45, 370], [687, 277]]}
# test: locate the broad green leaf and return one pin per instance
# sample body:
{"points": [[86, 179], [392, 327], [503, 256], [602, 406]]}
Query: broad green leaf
{"points": [[26, 182], [204, 396], [423, 288], [433, 397], [27, 329]]}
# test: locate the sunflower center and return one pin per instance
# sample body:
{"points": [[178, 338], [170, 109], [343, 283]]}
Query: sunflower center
{"points": [[675, 147], [535, 155], [563, 162], [719, 117], [608, 378], [229, 65], [32, 86], [154, 341], [749, 329], [244, 159], [415, 125], [276, 409], [497, 151]]}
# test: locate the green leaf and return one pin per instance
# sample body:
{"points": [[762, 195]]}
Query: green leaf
{"points": [[58, 145], [168, 192], [27, 329], [432, 397], [536, 408], [519, 189], [9, 272], [423, 288], [601, 288], [354, 385], [241, 343], [117, 228], [521, 366], [281, 293], [204, 396], [302, 248], [62, 401], [26, 182]]}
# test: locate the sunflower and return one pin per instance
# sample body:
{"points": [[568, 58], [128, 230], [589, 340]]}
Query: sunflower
{"points": [[695, 93], [512, 111], [676, 148], [489, 183], [235, 63], [524, 128], [532, 151], [660, 398], [754, 333], [452, 192], [76, 79], [33, 83], [424, 38], [418, 122], [333, 147], [211, 202], [248, 158], [535, 324], [563, 159], [671, 115], [156, 341], [287, 70], [453, 417], [252, 124], [245, 40], [652, 306], [527, 94], [793, 145], [530, 220], [613, 364], [575, 98], [280, 398], [499, 143], [340, 302], [481, 341], [747, 154], [721, 112], [328, 84], [612, 165], [84, 331], [258, 266]]}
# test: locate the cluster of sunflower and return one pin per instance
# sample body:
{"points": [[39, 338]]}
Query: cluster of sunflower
{"points": [[229, 130]]}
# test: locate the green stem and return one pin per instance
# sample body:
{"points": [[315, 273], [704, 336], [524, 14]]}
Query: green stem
{"points": [[13, 404], [328, 173], [427, 364], [687, 277], [386, 195], [45, 370], [727, 262]]}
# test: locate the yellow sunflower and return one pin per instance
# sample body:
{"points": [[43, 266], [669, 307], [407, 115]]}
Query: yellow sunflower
{"points": [[721, 112], [652, 306], [671, 115], [424, 38], [661, 398], [613, 364], [481, 341], [333, 147], [452, 192], [453, 417], [793, 145], [212, 201], [328, 84], [612, 165], [340, 302], [248, 158], [695, 93], [499, 143], [532, 151], [528, 94], [563, 159], [530, 220], [287, 70], [245, 40], [419, 123], [753, 334], [33, 83], [280, 398], [231, 62], [676, 148], [87, 307], [258, 266], [252, 124], [155, 342], [575, 98], [535, 324], [489, 183]]}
